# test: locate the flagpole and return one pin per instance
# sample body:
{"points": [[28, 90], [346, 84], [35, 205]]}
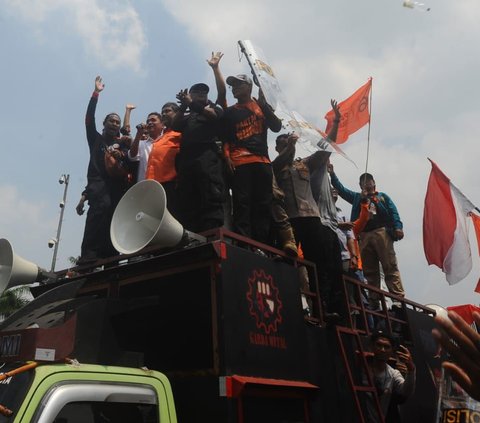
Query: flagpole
{"points": [[369, 121]]}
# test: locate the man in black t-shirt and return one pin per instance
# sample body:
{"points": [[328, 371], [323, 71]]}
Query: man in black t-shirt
{"points": [[199, 163], [108, 179]]}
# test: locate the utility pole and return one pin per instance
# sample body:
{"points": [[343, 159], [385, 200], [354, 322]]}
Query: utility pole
{"points": [[54, 242]]}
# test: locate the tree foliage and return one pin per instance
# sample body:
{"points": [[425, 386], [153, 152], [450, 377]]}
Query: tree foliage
{"points": [[12, 300]]}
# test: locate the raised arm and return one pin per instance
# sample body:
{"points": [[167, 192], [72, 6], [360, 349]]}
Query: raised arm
{"points": [[319, 158], [214, 63], [90, 115], [285, 157], [210, 111], [126, 129], [133, 151], [347, 194], [184, 99], [332, 134], [405, 385]]}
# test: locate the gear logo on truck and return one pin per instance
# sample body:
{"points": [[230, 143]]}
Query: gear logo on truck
{"points": [[264, 302]]}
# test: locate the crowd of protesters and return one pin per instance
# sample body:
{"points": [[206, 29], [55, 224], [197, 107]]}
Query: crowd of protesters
{"points": [[213, 162]]}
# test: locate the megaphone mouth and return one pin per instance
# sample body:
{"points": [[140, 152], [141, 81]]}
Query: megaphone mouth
{"points": [[6, 259], [15, 270], [141, 218]]}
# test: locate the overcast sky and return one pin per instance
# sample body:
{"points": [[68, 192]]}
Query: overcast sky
{"points": [[424, 67]]}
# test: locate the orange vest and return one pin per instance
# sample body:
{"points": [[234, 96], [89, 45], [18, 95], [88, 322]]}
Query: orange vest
{"points": [[161, 161]]}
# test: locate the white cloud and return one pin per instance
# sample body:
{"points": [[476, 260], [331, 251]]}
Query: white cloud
{"points": [[27, 225], [112, 32], [14, 208]]}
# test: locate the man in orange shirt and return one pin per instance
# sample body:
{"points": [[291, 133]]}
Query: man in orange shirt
{"points": [[161, 162]]}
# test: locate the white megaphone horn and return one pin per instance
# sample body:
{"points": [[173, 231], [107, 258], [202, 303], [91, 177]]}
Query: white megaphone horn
{"points": [[141, 218], [15, 270], [439, 310]]}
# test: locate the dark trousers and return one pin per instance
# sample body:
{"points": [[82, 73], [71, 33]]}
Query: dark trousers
{"points": [[201, 191], [171, 192], [252, 200], [96, 242], [320, 245]]}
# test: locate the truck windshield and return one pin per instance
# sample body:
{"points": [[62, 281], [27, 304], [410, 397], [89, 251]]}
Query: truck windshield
{"points": [[13, 389]]}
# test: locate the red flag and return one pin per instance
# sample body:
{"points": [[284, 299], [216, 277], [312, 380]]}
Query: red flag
{"points": [[476, 225], [445, 238], [477, 288], [465, 311], [354, 113]]}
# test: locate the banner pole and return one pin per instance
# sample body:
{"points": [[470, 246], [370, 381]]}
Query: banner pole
{"points": [[369, 122]]}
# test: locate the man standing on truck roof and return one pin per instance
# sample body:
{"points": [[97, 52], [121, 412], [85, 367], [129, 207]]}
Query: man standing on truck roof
{"points": [[161, 161], [377, 237], [312, 214], [108, 176], [199, 163], [246, 152]]}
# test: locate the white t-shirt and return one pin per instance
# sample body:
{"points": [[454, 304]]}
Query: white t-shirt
{"points": [[390, 382], [144, 148]]}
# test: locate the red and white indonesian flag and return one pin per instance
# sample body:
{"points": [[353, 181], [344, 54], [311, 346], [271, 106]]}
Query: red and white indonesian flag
{"points": [[445, 232]]}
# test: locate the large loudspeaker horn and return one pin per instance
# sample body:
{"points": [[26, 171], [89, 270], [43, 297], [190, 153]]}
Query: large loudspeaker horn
{"points": [[141, 218], [15, 270]]}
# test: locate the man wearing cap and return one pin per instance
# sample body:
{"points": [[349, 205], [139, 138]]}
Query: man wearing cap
{"points": [[199, 163], [246, 151], [313, 216]]}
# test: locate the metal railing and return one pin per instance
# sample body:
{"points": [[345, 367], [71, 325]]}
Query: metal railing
{"points": [[390, 315]]}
